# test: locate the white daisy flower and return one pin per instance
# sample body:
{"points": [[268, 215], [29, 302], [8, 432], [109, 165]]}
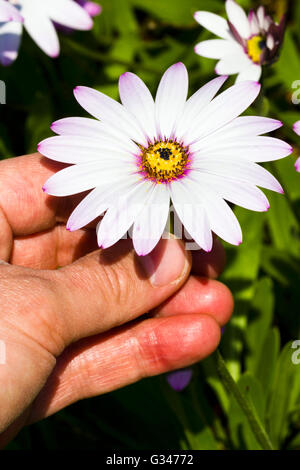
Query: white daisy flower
{"points": [[248, 42], [8, 12], [39, 16], [141, 154], [296, 128]]}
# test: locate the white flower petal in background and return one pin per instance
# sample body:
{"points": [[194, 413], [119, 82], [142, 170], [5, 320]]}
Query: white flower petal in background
{"points": [[40, 18], [238, 18], [10, 39], [248, 42], [217, 48], [203, 155], [214, 23], [8, 12], [296, 128]]}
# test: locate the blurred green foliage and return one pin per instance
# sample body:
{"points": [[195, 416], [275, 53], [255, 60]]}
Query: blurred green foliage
{"points": [[147, 36]]}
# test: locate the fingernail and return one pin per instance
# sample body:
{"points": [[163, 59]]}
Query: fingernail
{"points": [[167, 264]]}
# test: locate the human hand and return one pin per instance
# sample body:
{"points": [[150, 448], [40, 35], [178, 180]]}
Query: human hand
{"points": [[75, 332]]}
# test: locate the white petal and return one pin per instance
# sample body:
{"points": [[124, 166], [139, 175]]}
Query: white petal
{"points": [[96, 202], [238, 18], [254, 24], [240, 170], [170, 99], [78, 178], [10, 38], [216, 48], [121, 215], [91, 128], [73, 149], [68, 13], [40, 28], [297, 165], [8, 12], [195, 105], [214, 23], [296, 127], [243, 126], [256, 149], [151, 221], [253, 72], [244, 195], [234, 63], [191, 210], [223, 109], [109, 111], [270, 41], [261, 15], [222, 220], [136, 97]]}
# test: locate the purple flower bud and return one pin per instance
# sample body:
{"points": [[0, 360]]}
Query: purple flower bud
{"points": [[179, 379], [92, 8]]}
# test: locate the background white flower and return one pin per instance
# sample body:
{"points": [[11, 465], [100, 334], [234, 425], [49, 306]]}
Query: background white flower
{"points": [[8, 12], [296, 128], [247, 43], [39, 16], [142, 154]]}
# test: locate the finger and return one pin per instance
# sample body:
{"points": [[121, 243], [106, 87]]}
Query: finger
{"points": [[200, 296], [24, 208], [108, 288], [53, 248], [211, 264], [101, 364]]}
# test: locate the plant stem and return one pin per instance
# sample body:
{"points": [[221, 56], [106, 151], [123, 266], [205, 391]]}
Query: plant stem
{"points": [[257, 428]]}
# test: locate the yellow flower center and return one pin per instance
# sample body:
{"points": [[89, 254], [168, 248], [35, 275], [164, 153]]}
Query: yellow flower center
{"points": [[165, 161], [255, 47]]}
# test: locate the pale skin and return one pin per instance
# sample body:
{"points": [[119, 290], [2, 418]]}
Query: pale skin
{"points": [[85, 329]]}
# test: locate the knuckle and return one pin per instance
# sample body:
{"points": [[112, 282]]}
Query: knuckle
{"points": [[151, 352], [29, 304]]}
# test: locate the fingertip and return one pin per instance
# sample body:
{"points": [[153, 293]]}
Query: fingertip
{"points": [[200, 296], [179, 341]]}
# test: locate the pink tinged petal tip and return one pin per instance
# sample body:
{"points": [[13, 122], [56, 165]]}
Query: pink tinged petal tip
{"points": [[297, 165], [296, 127]]}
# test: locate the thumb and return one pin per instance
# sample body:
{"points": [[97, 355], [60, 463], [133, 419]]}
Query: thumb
{"points": [[108, 288]]}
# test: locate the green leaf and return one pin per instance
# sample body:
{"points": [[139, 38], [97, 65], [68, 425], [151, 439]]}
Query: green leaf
{"points": [[240, 431], [284, 235], [177, 12], [283, 397], [259, 322], [287, 68], [265, 367], [240, 275]]}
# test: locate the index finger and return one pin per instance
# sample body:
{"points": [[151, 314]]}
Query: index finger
{"points": [[24, 208]]}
